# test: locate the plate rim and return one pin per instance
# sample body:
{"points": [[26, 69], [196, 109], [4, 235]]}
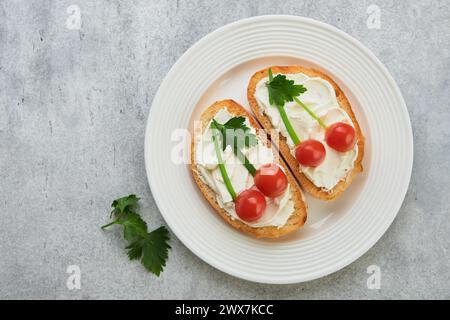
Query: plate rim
{"points": [[410, 150]]}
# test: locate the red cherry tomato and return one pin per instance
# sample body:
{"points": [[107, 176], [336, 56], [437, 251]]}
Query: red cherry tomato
{"points": [[341, 136], [310, 153], [250, 205], [271, 180]]}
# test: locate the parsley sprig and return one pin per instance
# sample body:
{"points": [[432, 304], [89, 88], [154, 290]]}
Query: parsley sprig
{"points": [[282, 90], [150, 248], [234, 133]]}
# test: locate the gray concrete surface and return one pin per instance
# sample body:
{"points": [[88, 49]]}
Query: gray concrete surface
{"points": [[73, 109]]}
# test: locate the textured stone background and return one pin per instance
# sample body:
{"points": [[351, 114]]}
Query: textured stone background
{"points": [[73, 108]]}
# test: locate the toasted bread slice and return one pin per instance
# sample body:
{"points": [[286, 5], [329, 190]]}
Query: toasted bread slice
{"points": [[298, 217], [306, 184]]}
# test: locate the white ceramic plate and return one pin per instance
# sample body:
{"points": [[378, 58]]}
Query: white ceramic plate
{"points": [[337, 233]]}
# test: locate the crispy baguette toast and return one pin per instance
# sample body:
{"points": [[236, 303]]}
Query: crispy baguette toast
{"points": [[306, 184], [298, 217]]}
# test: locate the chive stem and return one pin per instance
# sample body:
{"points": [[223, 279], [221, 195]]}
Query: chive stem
{"points": [[311, 113], [288, 126], [245, 161], [223, 171]]}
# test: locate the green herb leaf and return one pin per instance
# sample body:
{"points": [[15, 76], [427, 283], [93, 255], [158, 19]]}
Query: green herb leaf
{"points": [[151, 250], [134, 250], [236, 123], [124, 204], [133, 227], [282, 90], [235, 133]]}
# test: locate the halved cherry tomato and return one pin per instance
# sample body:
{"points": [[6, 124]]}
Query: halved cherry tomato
{"points": [[310, 153], [250, 205], [341, 136], [271, 180]]}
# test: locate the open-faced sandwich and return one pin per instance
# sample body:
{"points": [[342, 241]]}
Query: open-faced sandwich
{"points": [[319, 136], [240, 174]]}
